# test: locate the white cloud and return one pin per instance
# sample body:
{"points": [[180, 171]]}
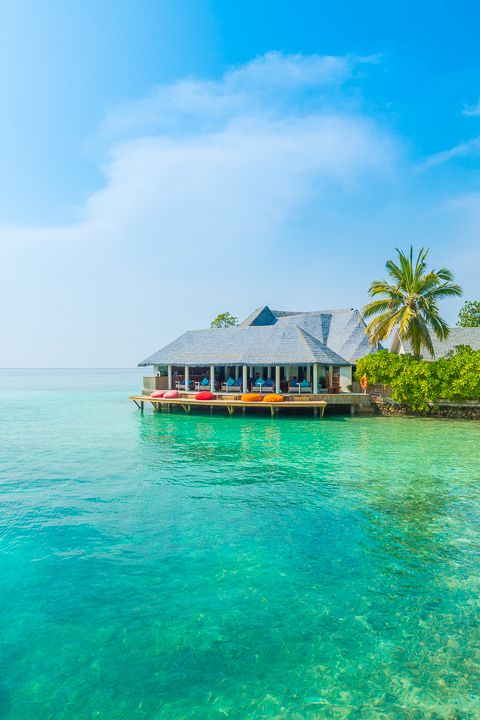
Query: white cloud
{"points": [[268, 85], [469, 110], [465, 148], [202, 179]]}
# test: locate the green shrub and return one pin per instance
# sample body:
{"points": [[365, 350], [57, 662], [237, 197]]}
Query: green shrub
{"points": [[416, 383]]}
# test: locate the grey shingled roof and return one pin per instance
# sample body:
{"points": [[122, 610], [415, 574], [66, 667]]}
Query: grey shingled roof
{"points": [[458, 336], [343, 331], [253, 345]]}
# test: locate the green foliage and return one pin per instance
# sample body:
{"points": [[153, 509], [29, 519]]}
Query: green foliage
{"points": [[410, 302], [417, 383], [469, 315], [224, 320]]}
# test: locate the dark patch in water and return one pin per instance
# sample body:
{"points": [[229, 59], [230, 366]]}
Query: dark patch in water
{"points": [[5, 701]]}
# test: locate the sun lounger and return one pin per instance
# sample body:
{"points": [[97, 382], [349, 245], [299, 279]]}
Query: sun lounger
{"points": [[258, 385], [203, 385], [181, 385], [264, 386], [230, 385], [303, 387]]}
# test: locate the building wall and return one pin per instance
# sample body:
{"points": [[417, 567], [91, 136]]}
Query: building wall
{"points": [[345, 377]]}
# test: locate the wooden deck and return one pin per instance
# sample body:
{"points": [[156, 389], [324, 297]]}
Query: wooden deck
{"points": [[351, 401]]}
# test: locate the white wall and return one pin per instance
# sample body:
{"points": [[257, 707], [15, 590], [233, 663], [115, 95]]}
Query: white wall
{"points": [[345, 377]]}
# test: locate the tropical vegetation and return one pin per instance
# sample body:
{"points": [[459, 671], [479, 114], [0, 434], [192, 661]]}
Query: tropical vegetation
{"points": [[409, 302], [224, 320], [416, 383], [469, 315]]}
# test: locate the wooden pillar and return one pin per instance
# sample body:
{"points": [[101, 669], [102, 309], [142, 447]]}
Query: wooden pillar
{"points": [[277, 379], [245, 379], [169, 377], [330, 371], [352, 409], [315, 379], [287, 372], [187, 373], [309, 373], [269, 372], [237, 372], [212, 378]]}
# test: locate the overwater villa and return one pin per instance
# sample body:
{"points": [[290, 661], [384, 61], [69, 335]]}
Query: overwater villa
{"points": [[286, 353]]}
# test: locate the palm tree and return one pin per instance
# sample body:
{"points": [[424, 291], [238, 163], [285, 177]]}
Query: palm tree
{"points": [[410, 303]]}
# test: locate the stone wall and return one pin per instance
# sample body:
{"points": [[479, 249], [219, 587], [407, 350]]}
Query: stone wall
{"points": [[468, 410]]}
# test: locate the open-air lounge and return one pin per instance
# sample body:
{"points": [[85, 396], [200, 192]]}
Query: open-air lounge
{"points": [[286, 353]]}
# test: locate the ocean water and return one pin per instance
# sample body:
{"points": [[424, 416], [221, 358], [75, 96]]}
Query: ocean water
{"points": [[202, 566]]}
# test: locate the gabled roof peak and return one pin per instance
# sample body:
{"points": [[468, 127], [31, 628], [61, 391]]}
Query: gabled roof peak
{"points": [[261, 316]]}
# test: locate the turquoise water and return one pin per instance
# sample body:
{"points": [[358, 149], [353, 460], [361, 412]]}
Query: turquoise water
{"points": [[174, 566]]}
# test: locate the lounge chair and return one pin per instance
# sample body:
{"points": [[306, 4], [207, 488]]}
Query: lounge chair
{"points": [[203, 385], [269, 386], [230, 385], [181, 385], [265, 386], [237, 386], [303, 387], [258, 385]]}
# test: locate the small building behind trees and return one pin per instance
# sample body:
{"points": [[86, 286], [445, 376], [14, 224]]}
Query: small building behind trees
{"points": [[457, 336]]}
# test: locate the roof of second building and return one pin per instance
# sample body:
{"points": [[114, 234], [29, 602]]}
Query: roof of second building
{"points": [[457, 336]]}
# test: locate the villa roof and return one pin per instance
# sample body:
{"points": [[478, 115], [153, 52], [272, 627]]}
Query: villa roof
{"points": [[252, 345], [458, 336], [273, 337], [343, 331]]}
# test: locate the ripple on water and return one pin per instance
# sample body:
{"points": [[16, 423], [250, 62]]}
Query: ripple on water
{"points": [[172, 566]]}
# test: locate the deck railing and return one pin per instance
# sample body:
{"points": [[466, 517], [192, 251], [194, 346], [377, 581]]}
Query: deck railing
{"points": [[153, 383]]}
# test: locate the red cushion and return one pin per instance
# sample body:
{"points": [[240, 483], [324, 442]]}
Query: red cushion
{"points": [[171, 394], [205, 395], [158, 393]]}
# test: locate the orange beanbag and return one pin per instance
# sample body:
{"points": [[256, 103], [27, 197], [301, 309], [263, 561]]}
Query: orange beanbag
{"points": [[251, 397], [171, 394], [205, 395], [273, 398], [158, 393]]}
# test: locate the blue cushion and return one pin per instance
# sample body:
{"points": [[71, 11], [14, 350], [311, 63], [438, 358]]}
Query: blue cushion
{"points": [[230, 382], [260, 381], [304, 383], [269, 382], [239, 381], [294, 383], [205, 381]]}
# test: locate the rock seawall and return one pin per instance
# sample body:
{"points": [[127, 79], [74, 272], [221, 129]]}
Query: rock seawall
{"points": [[468, 410]]}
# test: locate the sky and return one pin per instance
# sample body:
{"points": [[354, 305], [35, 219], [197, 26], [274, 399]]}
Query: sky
{"points": [[165, 161]]}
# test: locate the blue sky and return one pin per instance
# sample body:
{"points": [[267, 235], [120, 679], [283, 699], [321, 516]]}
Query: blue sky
{"points": [[166, 161]]}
